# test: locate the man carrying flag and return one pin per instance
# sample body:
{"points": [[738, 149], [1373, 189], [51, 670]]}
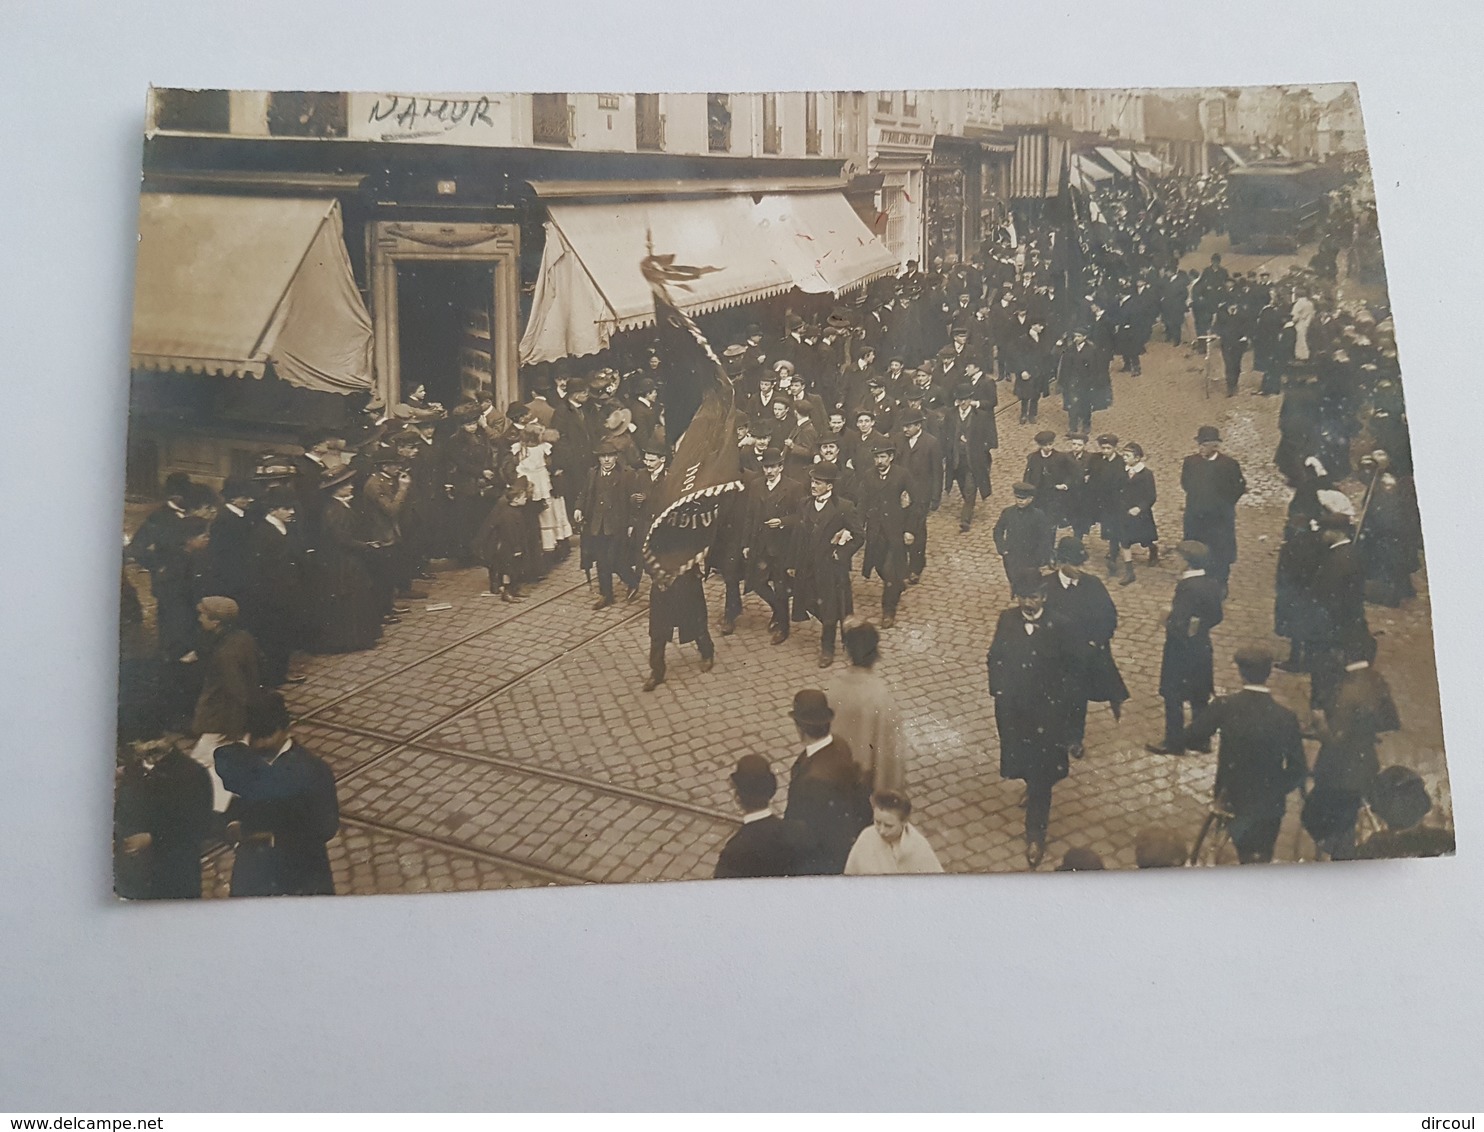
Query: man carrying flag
{"points": [[700, 409]]}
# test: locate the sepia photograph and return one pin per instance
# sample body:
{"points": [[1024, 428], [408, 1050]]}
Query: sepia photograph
{"points": [[534, 489]]}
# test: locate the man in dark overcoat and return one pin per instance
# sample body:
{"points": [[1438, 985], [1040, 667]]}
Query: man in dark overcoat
{"points": [[606, 511], [1106, 474], [766, 845], [967, 458], [1079, 367], [1357, 712], [1261, 757], [920, 456], [828, 534], [1080, 605], [885, 510], [825, 790], [275, 608], [1024, 538], [772, 505], [1185, 672], [285, 809], [1213, 482], [1050, 472], [677, 608], [1028, 675]]}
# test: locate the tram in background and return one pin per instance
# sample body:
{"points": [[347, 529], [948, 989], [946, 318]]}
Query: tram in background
{"points": [[1276, 205]]}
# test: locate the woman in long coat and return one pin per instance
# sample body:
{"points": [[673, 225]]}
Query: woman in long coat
{"points": [[866, 713], [349, 610], [1028, 664]]}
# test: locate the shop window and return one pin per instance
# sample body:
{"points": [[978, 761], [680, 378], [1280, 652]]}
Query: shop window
{"points": [[811, 123], [649, 123], [307, 114], [772, 135], [193, 111], [551, 119], [719, 123]]}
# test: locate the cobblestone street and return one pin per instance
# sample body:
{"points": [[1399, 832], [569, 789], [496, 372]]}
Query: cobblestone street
{"points": [[492, 746]]}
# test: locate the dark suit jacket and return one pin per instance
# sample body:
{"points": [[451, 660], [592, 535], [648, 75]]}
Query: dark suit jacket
{"points": [[923, 464], [292, 798], [1262, 751], [826, 795], [767, 847]]}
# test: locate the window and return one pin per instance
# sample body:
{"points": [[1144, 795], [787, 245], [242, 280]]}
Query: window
{"points": [[884, 101], [909, 104], [551, 119], [772, 135], [719, 123], [306, 114], [811, 122], [197, 111], [649, 123]]}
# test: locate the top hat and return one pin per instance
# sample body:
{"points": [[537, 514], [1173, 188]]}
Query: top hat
{"points": [[811, 706]]}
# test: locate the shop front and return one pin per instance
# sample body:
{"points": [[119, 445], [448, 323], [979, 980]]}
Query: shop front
{"points": [[248, 326]]}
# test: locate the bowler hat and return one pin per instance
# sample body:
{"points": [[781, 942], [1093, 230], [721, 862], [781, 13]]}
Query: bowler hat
{"points": [[772, 458], [825, 471], [1253, 655], [963, 392], [654, 448], [605, 448], [754, 776], [1207, 434], [1024, 490], [1071, 552], [912, 417], [811, 706]]}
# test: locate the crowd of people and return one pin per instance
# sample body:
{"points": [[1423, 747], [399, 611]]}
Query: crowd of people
{"points": [[851, 429]]}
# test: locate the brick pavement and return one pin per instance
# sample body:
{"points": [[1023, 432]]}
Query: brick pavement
{"points": [[491, 746]]}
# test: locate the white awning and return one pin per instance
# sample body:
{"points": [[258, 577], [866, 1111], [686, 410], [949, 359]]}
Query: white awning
{"points": [[1116, 161], [590, 286], [822, 241], [227, 284], [1149, 161], [1089, 169]]}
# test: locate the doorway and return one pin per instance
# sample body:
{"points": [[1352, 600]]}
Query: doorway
{"points": [[445, 314]]}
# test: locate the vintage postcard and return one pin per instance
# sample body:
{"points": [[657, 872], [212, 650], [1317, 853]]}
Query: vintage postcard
{"points": [[560, 488]]}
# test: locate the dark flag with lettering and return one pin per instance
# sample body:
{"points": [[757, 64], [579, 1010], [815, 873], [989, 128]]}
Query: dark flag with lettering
{"points": [[699, 399]]}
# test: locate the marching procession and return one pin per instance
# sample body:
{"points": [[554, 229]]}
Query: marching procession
{"points": [[852, 427]]}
